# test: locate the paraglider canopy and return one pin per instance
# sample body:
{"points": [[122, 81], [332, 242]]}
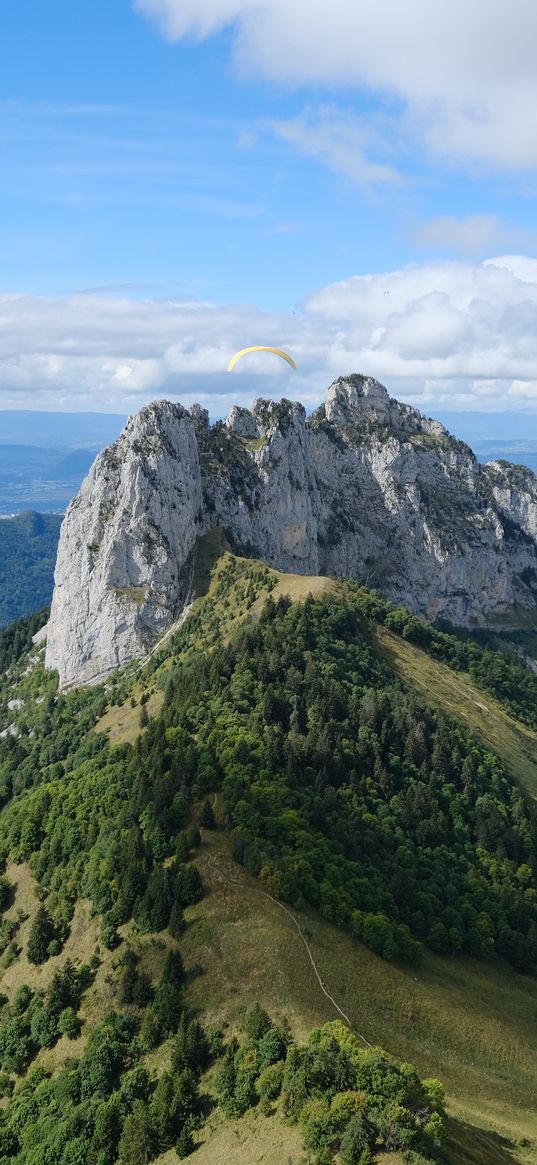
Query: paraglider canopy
{"points": [[260, 348]]}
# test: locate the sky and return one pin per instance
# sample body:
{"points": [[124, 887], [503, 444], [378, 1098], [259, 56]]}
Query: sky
{"points": [[355, 183]]}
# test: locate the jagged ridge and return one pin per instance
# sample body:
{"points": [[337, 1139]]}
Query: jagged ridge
{"points": [[365, 488]]}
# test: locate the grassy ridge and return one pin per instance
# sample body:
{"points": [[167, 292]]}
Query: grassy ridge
{"points": [[470, 1022]]}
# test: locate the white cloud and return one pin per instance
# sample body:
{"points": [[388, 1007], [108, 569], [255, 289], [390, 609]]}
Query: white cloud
{"points": [[524, 388], [522, 267], [457, 334], [464, 70], [192, 19], [428, 328], [339, 140]]}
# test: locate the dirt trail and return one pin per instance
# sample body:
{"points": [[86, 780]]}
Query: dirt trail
{"points": [[211, 862]]}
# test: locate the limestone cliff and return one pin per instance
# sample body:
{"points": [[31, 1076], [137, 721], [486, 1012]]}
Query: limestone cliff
{"points": [[366, 487], [120, 576]]}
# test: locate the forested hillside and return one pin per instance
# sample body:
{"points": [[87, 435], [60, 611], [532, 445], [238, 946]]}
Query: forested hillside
{"points": [[345, 794], [345, 790], [28, 544]]}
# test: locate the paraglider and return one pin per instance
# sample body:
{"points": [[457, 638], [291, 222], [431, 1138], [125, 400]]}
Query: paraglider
{"points": [[260, 348]]}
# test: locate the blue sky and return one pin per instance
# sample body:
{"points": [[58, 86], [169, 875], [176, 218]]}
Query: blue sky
{"points": [[180, 178]]}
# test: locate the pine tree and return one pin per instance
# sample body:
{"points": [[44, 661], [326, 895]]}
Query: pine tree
{"points": [[143, 990], [179, 1049], [107, 1127], [136, 1142], [257, 1022], [127, 985], [69, 1024], [185, 1144], [41, 934], [190, 1047], [6, 893], [357, 1140], [176, 924], [207, 819], [161, 1106], [173, 971], [159, 892], [64, 990], [185, 1098], [151, 1029], [182, 849], [198, 1046]]}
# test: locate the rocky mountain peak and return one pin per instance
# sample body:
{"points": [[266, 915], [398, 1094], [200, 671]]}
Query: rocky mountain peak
{"points": [[366, 489], [200, 416], [273, 416], [241, 422], [350, 398], [155, 417], [155, 429]]}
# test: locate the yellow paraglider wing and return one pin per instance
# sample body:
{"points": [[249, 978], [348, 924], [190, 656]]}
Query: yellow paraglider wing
{"points": [[260, 348]]}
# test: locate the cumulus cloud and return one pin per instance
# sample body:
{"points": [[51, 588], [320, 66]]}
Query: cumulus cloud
{"points": [[445, 333], [463, 72], [471, 322]]}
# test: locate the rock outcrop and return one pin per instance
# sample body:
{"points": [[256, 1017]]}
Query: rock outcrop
{"points": [[364, 488], [121, 572]]}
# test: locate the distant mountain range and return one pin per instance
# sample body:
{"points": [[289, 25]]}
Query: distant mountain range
{"points": [[45, 456], [518, 452], [59, 430]]}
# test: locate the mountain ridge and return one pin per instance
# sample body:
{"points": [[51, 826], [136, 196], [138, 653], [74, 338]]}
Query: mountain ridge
{"points": [[365, 488], [468, 1020]]}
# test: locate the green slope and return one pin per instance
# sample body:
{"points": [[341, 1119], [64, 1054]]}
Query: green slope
{"points": [[28, 546], [468, 1022], [71, 809], [455, 694]]}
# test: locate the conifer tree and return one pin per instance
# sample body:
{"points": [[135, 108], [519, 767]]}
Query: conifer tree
{"points": [[176, 924], [136, 1142], [207, 820], [185, 1144], [41, 934]]}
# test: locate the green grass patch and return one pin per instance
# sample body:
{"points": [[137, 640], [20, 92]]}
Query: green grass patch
{"points": [[471, 1023]]}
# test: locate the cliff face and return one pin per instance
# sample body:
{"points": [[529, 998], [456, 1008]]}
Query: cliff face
{"points": [[120, 574], [365, 488]]}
